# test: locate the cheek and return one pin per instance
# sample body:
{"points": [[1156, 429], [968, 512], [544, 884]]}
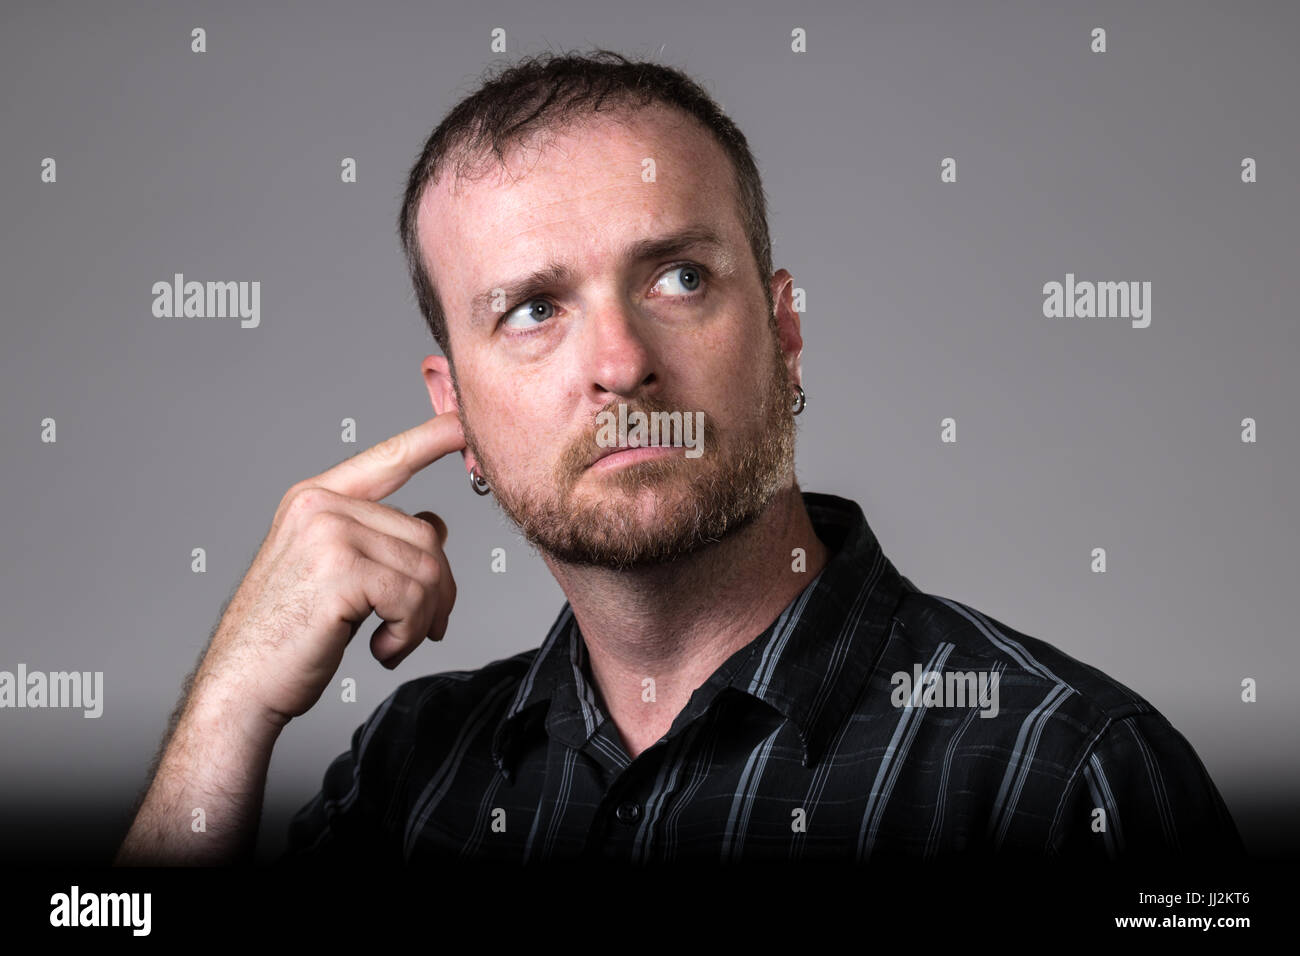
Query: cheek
{"points": [[512, 422], [735, 375]]}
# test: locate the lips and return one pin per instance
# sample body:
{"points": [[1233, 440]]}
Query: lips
{"points": [[604, 453], [647, 452], [614, 450]]}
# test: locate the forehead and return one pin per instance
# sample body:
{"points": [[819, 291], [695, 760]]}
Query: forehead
{"points": [[580, 194]]}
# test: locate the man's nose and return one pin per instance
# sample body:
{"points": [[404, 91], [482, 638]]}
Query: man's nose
{"points": [[621, 358]]}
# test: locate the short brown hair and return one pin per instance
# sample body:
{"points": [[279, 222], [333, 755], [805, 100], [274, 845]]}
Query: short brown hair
{"points": [[542, 93]]}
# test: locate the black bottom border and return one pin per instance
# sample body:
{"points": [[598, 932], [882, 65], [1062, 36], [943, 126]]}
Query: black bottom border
{"points": [[959, 900]]}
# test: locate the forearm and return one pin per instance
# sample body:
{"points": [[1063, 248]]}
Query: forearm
{"points": [[216, 764]]}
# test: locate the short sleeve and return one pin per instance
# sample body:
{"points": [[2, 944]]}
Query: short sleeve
{"points": [[1141, 791]]}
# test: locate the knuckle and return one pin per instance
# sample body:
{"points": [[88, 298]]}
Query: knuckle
{"points": [[390, 449], [428, 535], [413, 592], [339, 560], [294, 488], [327, 525], [428, 569], [304, 499]]}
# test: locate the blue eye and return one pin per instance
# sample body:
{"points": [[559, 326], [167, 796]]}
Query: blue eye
{"points": [[526, 313], [533, 312], [691, 278]]}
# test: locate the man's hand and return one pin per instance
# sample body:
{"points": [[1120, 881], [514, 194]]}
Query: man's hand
{"points": [[333, 555]]}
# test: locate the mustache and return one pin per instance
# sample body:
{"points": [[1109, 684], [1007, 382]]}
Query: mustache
{"points": [[584, 448]]}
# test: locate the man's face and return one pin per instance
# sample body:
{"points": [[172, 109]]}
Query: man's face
{"points": [[674, 330]]}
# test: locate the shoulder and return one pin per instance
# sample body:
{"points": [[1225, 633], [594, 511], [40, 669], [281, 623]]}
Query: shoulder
{"points": [[1085, 736], [965, 638]]}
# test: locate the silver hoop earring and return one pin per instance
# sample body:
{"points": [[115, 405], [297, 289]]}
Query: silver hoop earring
{"points": [[478, 482], [800, 400]]}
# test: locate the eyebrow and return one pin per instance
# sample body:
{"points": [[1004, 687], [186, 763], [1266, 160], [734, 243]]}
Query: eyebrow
{"points": [[560, 273]]}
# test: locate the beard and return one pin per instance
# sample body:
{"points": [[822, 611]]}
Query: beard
{"points": [[652, 512]]}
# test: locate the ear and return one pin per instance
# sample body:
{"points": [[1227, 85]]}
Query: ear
{"points": [[437, 378], [442, 395], [789, 336]]}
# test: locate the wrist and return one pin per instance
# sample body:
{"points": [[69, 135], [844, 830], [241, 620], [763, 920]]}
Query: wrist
{"points": [[224, 709]]}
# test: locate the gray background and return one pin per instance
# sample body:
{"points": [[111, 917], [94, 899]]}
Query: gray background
{"points": [[924, 301]]}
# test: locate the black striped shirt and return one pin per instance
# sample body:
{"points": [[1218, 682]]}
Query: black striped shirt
{"points": [[806, 744]]}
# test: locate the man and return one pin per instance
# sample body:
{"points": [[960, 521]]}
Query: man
{"points": [[739, 673]]}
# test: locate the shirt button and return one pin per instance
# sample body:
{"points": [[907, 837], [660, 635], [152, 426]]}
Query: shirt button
{"points": [[628, 812]]}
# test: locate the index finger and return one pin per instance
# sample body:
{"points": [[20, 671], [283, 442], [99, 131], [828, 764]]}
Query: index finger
{"points": [[380, 470]]}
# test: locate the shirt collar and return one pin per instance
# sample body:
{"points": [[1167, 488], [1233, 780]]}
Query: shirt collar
{"points": [[810, 664]]}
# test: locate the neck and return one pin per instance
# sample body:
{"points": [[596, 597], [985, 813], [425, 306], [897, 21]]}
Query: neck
{"points": [[676, 623]]}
